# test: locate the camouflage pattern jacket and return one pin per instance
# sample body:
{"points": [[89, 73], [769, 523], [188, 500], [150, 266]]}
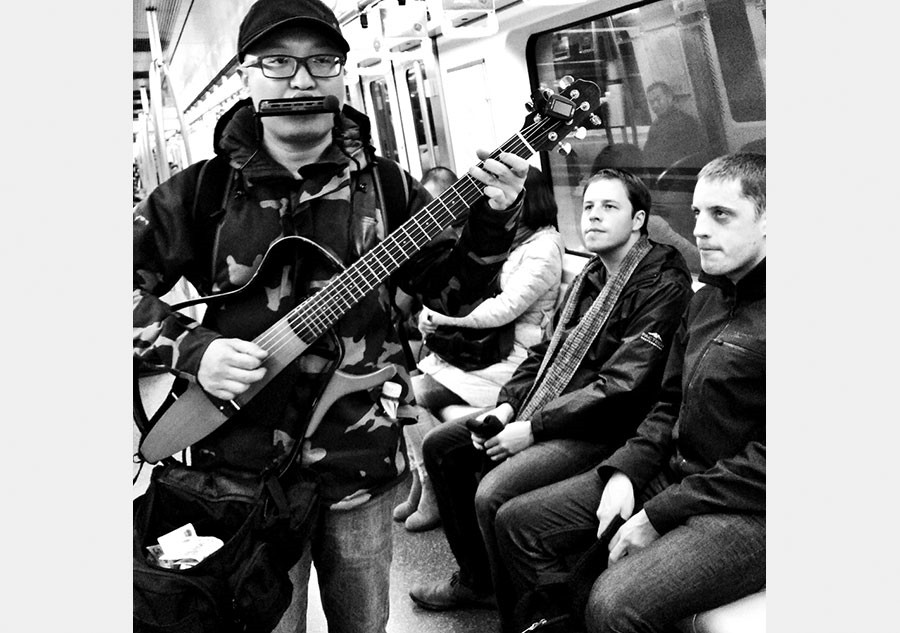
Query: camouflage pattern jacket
{"points": [[357, 450]]}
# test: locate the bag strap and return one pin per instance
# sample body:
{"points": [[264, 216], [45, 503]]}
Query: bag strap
{"points": [[393, 199], [210, 194]]}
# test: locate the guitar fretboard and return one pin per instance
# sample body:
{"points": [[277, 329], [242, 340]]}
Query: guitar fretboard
{"points": [[314, 316]]}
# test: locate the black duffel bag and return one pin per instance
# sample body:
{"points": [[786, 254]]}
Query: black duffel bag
{"points": [[472, 348], [558, 606], [264, 521]]}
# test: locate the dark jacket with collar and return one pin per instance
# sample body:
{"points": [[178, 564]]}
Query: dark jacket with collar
{"points": [[618, 379], [357, 450], [708, 430]]}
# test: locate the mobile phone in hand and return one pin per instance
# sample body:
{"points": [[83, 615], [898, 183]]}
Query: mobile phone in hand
{"points": [[486, 428]]}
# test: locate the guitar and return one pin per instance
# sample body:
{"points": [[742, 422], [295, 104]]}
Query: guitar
{"points": [[187, 413]]}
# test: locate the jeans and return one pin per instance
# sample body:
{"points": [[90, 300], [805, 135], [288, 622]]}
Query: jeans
{"points": [[711, 560], [468, 501], [352, 552]]}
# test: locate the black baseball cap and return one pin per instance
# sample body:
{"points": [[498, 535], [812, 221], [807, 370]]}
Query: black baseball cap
{"points": [[266, 15]]}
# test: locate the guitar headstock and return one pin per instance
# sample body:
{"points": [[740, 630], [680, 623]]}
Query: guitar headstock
{"points": [[555, 116]]}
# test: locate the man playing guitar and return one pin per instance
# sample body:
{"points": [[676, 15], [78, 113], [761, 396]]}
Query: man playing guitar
{"points": [[305, 180]]}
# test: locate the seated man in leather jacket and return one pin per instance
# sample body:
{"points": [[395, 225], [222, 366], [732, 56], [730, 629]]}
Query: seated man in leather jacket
{"points": [[692, 483]]}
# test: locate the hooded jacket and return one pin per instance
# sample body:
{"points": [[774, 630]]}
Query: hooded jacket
{"points": [[618, 379], [357, 450]]}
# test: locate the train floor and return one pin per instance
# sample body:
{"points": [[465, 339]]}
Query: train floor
{"points": [[418, 557]]}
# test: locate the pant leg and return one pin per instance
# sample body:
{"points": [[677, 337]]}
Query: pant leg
{"points": [[352, 552], [294, 618], [711, 560], [537, 534], [430, 396], [353, 562], [537, 466], [454, 466]]}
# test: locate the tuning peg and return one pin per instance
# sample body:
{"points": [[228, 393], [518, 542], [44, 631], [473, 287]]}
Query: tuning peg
{"points": [[564, 148], [529, 105], [595, 120], [566, 81], [580, 133]]}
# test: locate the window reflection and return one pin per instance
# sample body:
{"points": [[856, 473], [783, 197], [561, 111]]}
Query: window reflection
{"points": [[685, 82]]}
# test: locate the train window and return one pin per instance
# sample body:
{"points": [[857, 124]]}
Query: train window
{"points": [[684, 82]]}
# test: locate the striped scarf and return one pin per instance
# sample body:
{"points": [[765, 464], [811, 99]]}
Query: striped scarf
{"points": [[550, 383]]}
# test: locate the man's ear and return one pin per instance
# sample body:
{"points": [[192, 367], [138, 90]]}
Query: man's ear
{"points": [[243, 75], [638, 220]]}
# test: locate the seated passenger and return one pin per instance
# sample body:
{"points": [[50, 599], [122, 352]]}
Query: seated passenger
{"points": [[674, 134], [628, 156], [529, 282], [437, 179], [692, 482], [574, 400], [620, 155]]}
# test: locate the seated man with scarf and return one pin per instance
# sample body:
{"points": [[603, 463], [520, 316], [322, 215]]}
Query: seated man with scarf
{"points": [[573, 401]]}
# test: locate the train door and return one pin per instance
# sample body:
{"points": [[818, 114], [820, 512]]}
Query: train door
{"points": [[427, 142], [468, 103]]}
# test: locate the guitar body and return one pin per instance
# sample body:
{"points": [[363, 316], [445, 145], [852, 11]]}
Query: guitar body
{"points": [[296, 391]]}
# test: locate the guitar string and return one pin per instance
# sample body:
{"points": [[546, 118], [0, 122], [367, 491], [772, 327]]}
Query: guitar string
{"points": [[305, 318], [307, 322]]}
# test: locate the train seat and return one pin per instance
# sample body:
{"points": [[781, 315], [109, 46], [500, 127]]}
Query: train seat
{"points": [[747, 615]]}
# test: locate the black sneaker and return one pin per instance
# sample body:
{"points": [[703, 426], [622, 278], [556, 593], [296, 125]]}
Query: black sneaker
{"points": [[450, 594]]}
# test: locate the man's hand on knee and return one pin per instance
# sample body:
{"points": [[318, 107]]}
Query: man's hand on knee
{"points": [[635, 535], [617, 500]]}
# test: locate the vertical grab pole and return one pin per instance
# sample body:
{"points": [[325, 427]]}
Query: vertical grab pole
{"points": [[156, 97], [181, 127], [149, 178], [160, 64]]}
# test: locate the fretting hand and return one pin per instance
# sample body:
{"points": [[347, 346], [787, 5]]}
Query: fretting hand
{"points": [[504, 178]]}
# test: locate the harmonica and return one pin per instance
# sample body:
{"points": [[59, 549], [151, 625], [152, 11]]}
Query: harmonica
{"points": [[298, 105]]}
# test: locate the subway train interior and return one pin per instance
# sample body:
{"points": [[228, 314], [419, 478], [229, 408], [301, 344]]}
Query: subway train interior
{"points": [[440, 79]]}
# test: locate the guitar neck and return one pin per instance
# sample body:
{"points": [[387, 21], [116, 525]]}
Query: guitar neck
{"points": [[317, 314]]}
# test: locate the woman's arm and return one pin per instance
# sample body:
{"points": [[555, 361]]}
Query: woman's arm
{"points": [[539, 270]]}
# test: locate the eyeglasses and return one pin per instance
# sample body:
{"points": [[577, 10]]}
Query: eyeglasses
{"points": [[285, 66]]}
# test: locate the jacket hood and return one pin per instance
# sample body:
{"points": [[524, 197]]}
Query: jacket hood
{"points": [[667, 257], [238, 131], [662, 257]]}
